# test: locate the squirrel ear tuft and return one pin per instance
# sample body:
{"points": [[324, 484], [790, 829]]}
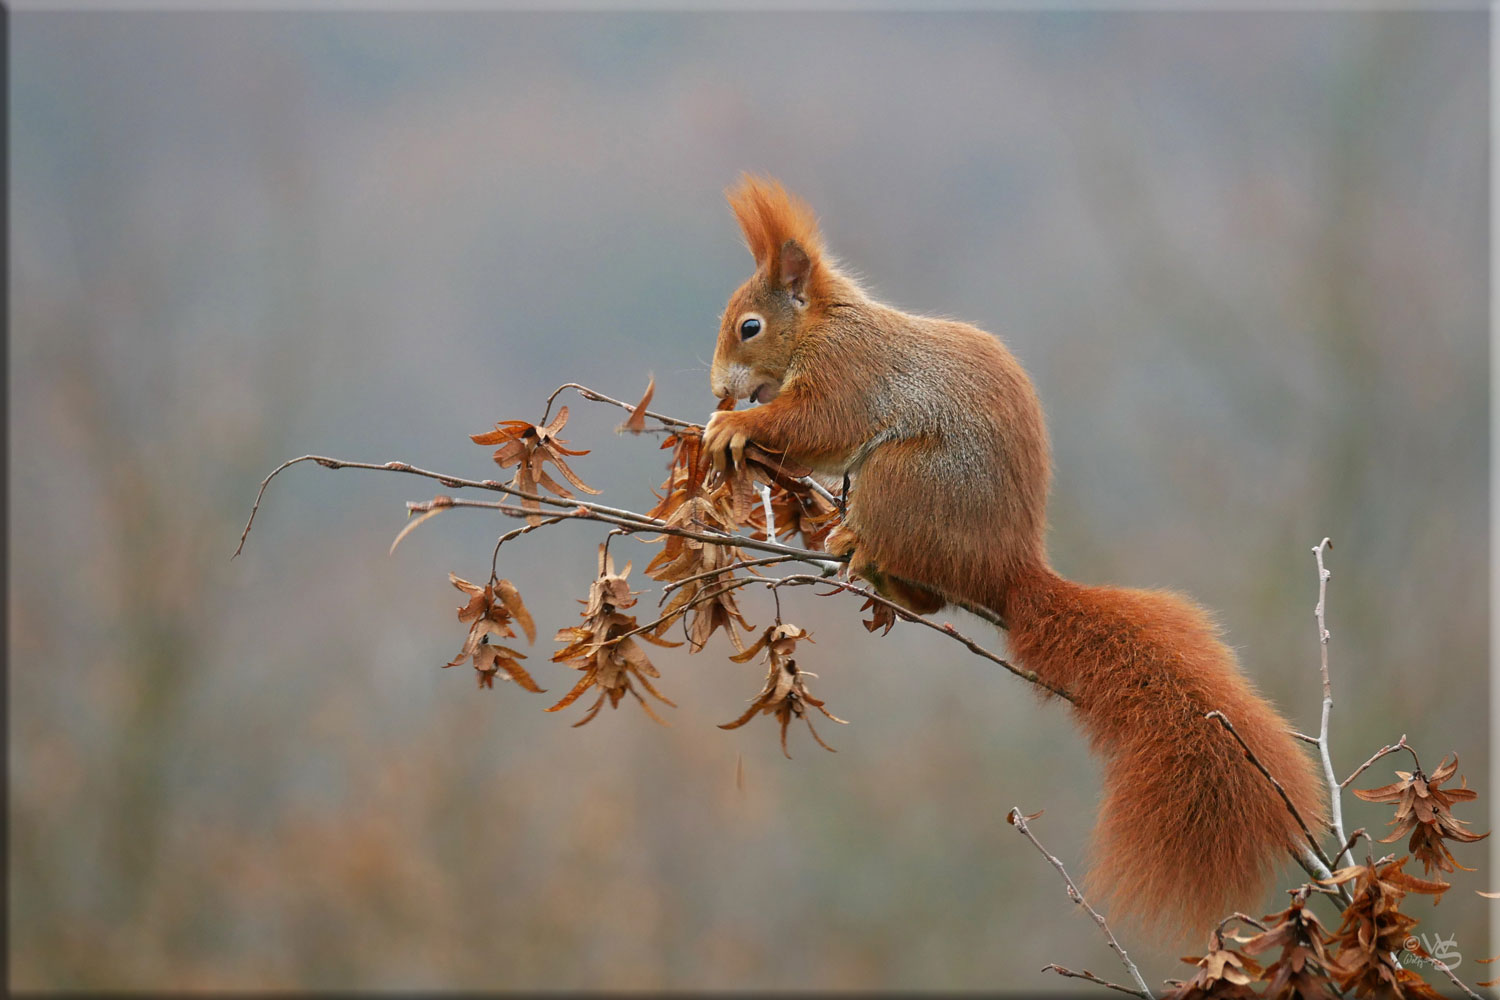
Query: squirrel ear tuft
{"points": [[771, 218]]}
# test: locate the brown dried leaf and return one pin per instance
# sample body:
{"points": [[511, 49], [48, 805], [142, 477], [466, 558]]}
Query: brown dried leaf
{"points": [[881, 616], [527, 447], [511, 598], [1302, 971], [489, 612], [1374, 929], [785, 694], [1223, 974], [604, 648], [1423, 809]]}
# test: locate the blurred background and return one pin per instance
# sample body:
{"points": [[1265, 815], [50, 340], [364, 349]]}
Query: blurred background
{"points": [[1243, 256]]}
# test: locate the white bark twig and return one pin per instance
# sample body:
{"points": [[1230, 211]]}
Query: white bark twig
{"points": [[1335, 798], [1018, 820]]}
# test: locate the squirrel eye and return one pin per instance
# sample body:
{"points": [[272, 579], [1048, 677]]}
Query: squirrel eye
{"points": [[749, 328]]}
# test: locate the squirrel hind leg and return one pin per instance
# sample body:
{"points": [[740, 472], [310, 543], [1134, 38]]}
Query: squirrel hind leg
{"points": [[912, 596]]}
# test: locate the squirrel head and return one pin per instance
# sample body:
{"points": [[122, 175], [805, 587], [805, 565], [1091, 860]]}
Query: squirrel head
{"points": [[766, 315]]}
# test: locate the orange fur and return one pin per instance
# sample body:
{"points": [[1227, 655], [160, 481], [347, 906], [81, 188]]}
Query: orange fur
{"points": [[943, 436]]}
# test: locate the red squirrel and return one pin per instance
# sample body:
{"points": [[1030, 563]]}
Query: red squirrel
{"points": [[942, 435]]}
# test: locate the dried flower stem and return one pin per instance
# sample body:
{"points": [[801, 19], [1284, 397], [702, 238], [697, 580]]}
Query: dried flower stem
{"points": [[1018, 820]]}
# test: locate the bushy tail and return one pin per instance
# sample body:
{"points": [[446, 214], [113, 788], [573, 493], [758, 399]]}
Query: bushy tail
{"points": [[1189, 830]]}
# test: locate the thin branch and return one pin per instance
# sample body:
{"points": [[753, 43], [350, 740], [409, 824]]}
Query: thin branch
{"points": [[905, 615], [574, 508], [1018, 820], [599, 397], [455, 482], [807, 579], [1090, 977], [732, 568], [631, 523], [1336, 803], [1382, 752]]}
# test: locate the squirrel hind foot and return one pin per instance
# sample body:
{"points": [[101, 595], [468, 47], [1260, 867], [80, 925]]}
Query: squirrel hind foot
{"points": [[914, 597]]}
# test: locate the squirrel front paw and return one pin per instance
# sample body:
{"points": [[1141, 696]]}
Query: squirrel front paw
{"points": [[724, 438]]}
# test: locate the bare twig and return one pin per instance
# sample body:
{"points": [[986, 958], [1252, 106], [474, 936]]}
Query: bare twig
{"points": [[1017, 819], [583, 509], [1382, 752], [905, 615], [1443, 968], [1336, 803], [630, 522], [599, 397], [1090, 977], [721, 571]]}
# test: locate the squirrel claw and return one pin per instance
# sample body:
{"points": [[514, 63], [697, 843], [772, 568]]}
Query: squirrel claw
{"points": [[725, 446]]}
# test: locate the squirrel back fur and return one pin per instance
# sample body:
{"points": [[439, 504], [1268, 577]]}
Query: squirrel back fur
{"points": [[943, 436]]}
